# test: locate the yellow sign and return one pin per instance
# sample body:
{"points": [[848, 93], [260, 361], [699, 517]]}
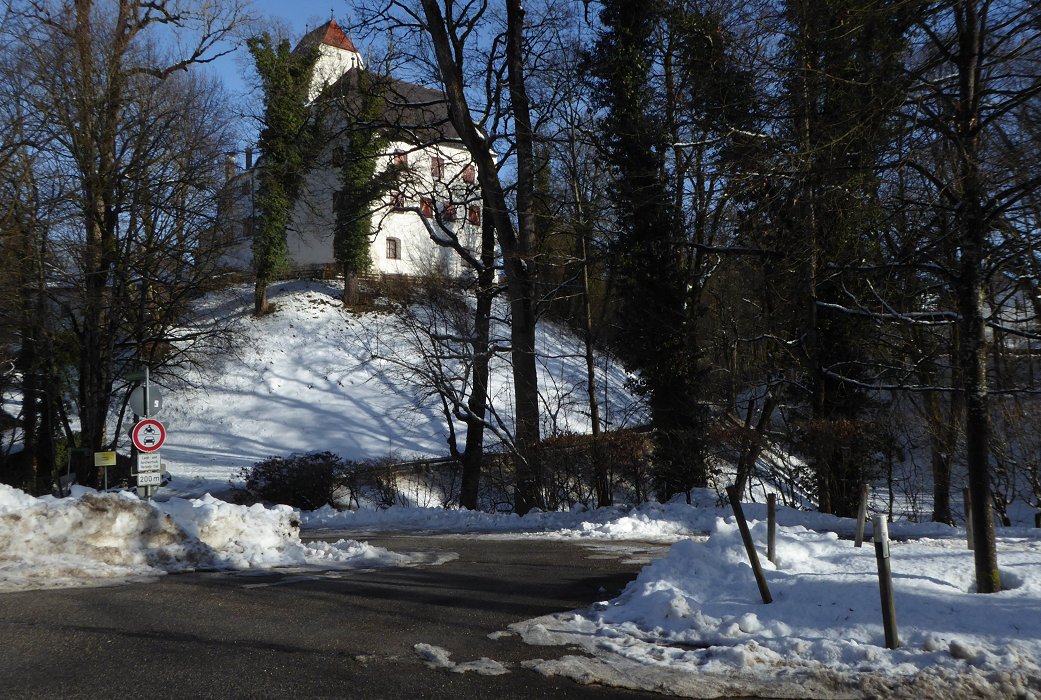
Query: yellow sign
{"points": [[104, 459]]}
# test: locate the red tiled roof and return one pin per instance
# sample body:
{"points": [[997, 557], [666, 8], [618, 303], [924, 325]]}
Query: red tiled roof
{"points": [[329, 34]]}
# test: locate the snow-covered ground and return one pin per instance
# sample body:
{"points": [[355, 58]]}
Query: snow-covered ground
{"points": [[691, 624], [310, 377], [313, 376]]}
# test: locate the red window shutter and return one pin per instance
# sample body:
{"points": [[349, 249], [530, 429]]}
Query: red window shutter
{"points": [[475, 215], [426, 207], [469, 174]]}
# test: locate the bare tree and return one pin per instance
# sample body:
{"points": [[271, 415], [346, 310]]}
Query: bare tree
{"points": [[472, 50], [115, 113], [981, 66]]}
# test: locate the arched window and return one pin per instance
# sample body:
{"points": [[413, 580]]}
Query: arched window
{"points": [[393, 249]]}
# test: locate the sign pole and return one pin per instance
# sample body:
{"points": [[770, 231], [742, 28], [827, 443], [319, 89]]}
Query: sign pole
{"points": [[148, 489]]}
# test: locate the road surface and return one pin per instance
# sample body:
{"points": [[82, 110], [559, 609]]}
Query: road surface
{"points": [[293, 635]]}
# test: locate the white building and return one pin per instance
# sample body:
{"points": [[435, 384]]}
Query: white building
{"points": [[437, 196]]}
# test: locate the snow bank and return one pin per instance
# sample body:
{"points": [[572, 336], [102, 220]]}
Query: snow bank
{"points": [[93, 538], [698, 610]]}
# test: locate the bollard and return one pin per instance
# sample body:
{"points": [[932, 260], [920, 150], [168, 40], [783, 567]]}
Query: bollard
{"points": [[967, 500], [771, 527], [746, 536], [861, 515], [885, 580]]}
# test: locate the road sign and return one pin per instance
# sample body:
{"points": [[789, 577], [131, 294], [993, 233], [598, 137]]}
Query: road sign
{"points": [[150, 479], [104, 459], [148, 435], [137, 401], [148, 462]]}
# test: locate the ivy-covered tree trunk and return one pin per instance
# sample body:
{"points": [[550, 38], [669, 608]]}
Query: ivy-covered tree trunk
{"points": [[289, 142], [361, 187]]}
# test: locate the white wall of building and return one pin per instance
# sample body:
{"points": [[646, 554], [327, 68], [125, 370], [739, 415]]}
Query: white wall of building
{"points": [[437, 198]]}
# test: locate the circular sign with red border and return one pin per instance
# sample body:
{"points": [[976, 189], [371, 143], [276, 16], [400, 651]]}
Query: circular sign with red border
{"points": [[148, 435]]}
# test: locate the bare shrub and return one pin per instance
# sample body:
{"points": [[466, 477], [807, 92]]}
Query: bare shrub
{"points": [[306, 481]]}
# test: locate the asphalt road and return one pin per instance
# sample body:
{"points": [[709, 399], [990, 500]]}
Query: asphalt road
{"points": [[290, 635]]}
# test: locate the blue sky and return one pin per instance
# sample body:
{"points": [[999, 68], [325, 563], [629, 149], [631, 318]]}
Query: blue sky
{"points": [[297, 16]]}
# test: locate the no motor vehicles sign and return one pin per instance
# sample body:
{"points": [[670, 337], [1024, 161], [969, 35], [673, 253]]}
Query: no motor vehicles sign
{"points": [[148, 435]]}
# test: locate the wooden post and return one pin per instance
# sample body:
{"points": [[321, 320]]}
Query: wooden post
{"points": [[771, 527], [746, 536], [967, 499], [861, 515], [885, 580]]}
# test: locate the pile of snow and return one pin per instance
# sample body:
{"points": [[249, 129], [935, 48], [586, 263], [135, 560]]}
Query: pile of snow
{"points": [[93, 538], [651, 522], [693, 623]]}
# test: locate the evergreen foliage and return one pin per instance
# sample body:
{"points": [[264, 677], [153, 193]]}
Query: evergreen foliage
{"points": [[289, 141], [845, 82], [361, 186], [658, 334]]}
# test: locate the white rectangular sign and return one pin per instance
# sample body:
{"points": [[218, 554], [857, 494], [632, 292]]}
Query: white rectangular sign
{"points": [[148, 462], [149, 479]]}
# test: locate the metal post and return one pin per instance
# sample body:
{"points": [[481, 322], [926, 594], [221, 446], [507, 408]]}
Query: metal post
{"points": [[771, 527], [861, 515], [148, 407], [746, 536], [885, 580]]}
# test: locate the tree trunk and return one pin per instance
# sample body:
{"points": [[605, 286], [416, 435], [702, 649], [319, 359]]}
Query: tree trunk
{"points": [[521, 282], [970, 291], [350, 286], [518, 264], [477, 402], [260, 305]]}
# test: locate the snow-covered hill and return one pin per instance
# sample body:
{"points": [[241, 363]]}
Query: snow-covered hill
{"points": [[315, 376]]}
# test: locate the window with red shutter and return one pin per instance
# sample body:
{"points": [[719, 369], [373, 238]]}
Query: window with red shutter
{"points": [[437, 168], [426, 207], [448, 212], [474, 215], [469, 174]]}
